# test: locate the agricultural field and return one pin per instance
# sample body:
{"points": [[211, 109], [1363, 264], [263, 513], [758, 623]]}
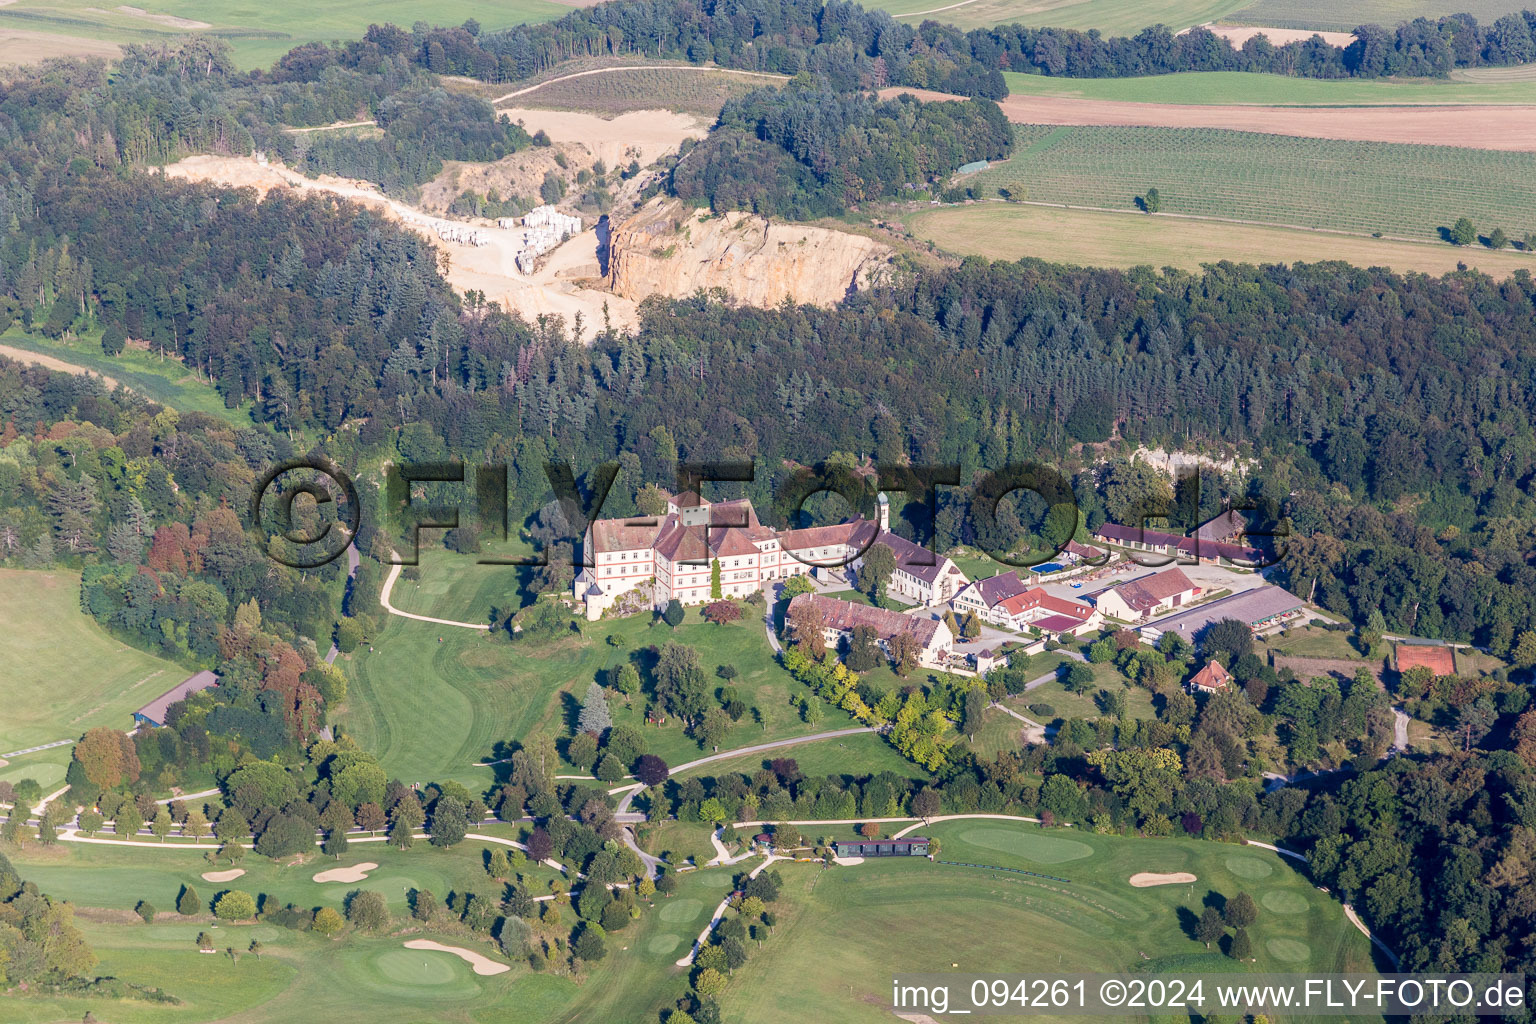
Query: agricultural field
{"points": [[63, 672], [1319, 14], [257, 33], [1109, 239], [430, 708], [1111, 17], [847, 931], [1246, 87], [620, 90], [1272, 179]]}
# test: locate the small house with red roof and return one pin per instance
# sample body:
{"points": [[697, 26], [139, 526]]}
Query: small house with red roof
{"points": [[1214, 678]]}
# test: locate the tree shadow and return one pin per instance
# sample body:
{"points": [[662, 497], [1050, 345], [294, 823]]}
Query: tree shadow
{"points": [[1188, 922]]}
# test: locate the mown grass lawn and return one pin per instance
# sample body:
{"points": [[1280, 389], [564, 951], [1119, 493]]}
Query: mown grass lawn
{"points": [[433, 707], [845, 932], [64, 673]]}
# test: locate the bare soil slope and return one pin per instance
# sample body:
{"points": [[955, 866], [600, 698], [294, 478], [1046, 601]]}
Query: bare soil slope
{"points": [[669, 249]]}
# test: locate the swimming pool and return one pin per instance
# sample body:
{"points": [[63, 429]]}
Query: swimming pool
{"points": [[1048, 567]]}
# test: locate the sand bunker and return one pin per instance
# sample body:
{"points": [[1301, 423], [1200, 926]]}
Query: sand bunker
{"points": [[1147, 879], [355, 873], [223, 876], [482, 965]]}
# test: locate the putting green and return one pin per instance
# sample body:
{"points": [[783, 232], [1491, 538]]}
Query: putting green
{"points": [[416, 967], [1292, 951], [663, 944], [681, 911], [1250, 867], [1283, 901], [1029, 845], [392, 887]]}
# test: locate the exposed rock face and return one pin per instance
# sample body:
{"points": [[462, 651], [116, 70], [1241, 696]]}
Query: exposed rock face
{"points": [[670, 249]]}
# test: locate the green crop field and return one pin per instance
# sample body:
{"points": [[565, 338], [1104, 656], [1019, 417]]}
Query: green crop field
{"points": [[431, 709], [846, 932], [1112, 17], [1273, 179], [64, 673], [1226, 87], [259, 33], [1320, 14]]}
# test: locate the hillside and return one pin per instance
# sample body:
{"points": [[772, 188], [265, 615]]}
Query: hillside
{"points": [[667, 249]]}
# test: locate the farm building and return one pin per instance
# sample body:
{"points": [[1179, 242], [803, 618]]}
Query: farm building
{"points": [[1005, 600], [1262, 608], [1435, 655], [912, 846], [840, 618], [1203, 550], [153, 713], [1151, 595]]}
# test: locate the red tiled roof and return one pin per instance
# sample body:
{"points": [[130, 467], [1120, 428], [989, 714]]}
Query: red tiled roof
{"points": [[625, 534], [1195, 547], [1213, 677], [999, 588], [1039, 598], [1057, 623], [1144, 594], [845, 615]]}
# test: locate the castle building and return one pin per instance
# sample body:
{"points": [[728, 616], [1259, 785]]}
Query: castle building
{"points": [[674, 555]]}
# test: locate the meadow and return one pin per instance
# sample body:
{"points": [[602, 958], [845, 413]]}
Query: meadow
{"points": [[1320, 14], [1111, 17], [846, 932], [166, 381], [1111, 239], [1228, 87], [431, 708], [688, 91], [259, 33], [63, 672]]}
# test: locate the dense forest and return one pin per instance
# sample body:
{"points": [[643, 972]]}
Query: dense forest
{"points": [[810, 153], [839, 43], [1354, 383], [852, 48]]}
